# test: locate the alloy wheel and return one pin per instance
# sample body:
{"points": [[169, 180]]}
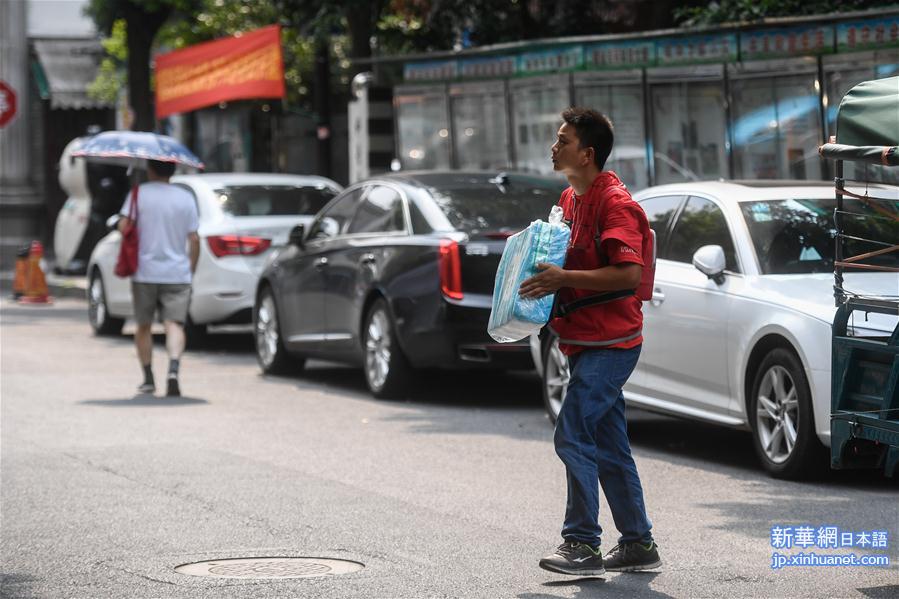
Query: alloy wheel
{"points": [[377, 349], [96, 303], [556, 376], [777, 414], [267, 331]]}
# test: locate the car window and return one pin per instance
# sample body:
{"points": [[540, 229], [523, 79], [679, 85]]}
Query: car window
{"points": [[701, 223], [659, 211], [336, 217], [380, 212], [480, 206], [796, 235], [273, 200]]}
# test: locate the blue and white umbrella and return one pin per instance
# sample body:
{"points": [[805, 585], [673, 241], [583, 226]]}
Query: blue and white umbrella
{"points": [[134, 148]]}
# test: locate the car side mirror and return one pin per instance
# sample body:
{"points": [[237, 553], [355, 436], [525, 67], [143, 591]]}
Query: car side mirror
{"points": [[296, 235], [112, 222], [710, 261]]}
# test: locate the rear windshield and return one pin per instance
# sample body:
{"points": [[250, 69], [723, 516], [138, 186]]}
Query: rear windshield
{"points": [[489, 207], [798, 236], [273, 200]]}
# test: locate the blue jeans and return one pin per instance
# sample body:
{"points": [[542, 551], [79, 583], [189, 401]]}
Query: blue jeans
{"points": [[591, 440]]}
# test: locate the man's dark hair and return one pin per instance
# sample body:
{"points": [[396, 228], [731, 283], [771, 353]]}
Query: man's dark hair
{"points": [[594, 130], [163, 169]]}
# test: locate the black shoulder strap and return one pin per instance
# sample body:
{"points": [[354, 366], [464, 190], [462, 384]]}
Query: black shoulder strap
{"points": [[591, 300]]}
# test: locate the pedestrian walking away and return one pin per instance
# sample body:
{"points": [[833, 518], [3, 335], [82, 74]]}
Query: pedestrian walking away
{"points": [[598, 319], [168, 249]]}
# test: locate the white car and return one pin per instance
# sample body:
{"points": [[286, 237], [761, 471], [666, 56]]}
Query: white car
{"points": [[243, 218], [738, 332]]}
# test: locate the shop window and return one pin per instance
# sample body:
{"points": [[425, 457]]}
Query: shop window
{"points": [[623, 104], [537, 107], [776, 128], [423, 128], [688, 131], [480, 127]]}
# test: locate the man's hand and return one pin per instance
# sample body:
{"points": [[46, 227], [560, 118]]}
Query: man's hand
{"points": [[549, 280]]}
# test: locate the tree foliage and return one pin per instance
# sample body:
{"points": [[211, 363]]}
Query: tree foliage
{"points": [[736, 11]]}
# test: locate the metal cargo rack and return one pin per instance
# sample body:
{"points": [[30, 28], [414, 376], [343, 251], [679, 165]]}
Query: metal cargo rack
{"points": [[864, 420]]}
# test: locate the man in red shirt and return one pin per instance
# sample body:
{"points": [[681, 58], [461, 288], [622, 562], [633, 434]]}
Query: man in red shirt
{"points": [[610, 238]]}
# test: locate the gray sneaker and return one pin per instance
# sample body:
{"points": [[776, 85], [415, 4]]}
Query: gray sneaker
{"points": [[577, 559], [146, 388], [633, 557]]}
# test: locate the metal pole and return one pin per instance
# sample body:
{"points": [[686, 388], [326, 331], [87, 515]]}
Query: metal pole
{"points": [[839, 183]]}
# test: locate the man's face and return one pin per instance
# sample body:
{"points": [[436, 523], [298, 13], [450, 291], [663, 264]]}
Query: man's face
{"points": [[566, 155]]}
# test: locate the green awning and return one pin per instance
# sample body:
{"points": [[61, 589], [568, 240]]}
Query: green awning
{"points": [[868, 124], [869, 114]]}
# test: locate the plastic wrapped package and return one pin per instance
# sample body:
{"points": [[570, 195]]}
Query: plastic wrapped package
{"points": [[514, 317]]}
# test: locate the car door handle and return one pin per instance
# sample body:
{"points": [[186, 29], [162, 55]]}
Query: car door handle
{"points": [[321, 263], [657, 297], [367, 259]]}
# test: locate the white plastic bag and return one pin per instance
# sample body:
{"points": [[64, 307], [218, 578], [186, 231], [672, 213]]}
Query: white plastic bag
{"points": [[514, 317]]}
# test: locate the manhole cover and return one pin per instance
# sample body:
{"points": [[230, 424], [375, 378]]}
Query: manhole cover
{"points": [[270, 567]]}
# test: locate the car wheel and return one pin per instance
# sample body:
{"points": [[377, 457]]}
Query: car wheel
{"points": [[783, 423], [271, 354], [98, 311], [196, 335], [387, 371], [556, 374]]}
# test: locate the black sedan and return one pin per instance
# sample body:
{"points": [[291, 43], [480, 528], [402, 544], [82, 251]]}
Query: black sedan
{"points": [[396, 273]]}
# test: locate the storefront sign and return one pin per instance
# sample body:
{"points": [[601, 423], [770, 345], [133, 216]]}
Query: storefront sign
{"points": [[868, 34], [235, 68], [697, 49], [493, 66], [620, 55], [7, 103], [548, 61], [431, 71], [775, 43]]}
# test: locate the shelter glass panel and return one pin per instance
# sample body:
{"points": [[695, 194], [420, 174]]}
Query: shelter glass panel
{"points": [[623, 104], [480, 126], [536, 107], [423, 128], [688, 131], [776, 129]]}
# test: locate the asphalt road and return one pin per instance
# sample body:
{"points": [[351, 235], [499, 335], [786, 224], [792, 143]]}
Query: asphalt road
{"points": [[455, 492]]}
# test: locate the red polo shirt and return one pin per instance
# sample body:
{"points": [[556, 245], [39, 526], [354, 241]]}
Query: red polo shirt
{"points": [[623, 238]]}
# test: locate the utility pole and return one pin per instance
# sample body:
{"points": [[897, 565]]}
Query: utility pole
{"points": [[322, 103]]}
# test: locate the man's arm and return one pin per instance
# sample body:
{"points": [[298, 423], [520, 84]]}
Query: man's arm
{"points": [[608, 278], [193, 247]]}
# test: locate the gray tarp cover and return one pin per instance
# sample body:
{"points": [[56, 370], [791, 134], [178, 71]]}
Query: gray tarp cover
{"points": [[868, 124]]}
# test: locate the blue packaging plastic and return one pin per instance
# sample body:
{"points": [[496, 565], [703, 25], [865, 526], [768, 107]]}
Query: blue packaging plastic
{"points": [[514, 317]]}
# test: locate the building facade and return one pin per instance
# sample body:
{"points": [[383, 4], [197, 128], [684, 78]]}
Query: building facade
{"points": [[743, 102]]}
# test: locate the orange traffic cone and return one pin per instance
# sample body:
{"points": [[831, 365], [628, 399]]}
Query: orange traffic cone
{"points": [[35, 283], [18, 284]]}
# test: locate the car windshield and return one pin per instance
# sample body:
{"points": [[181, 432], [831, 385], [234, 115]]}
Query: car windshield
{"points": [[273, 200], [490, 207], [796, 236]]}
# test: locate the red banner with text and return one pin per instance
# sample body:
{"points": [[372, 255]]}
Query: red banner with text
{"points": [[242, 67]]}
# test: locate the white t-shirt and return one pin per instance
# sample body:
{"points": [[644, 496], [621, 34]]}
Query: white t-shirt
{"points": [[166, 215]]}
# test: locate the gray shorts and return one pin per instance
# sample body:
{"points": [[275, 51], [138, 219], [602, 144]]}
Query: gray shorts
{"points": [[172, 300]]}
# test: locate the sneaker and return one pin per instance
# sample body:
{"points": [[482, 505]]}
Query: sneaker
{"points": [[172, 388], [633, 557], [147, 387], [574, 558]]}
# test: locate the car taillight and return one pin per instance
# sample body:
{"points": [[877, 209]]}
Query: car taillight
{"points": [[237, 245], [450, 269]]}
